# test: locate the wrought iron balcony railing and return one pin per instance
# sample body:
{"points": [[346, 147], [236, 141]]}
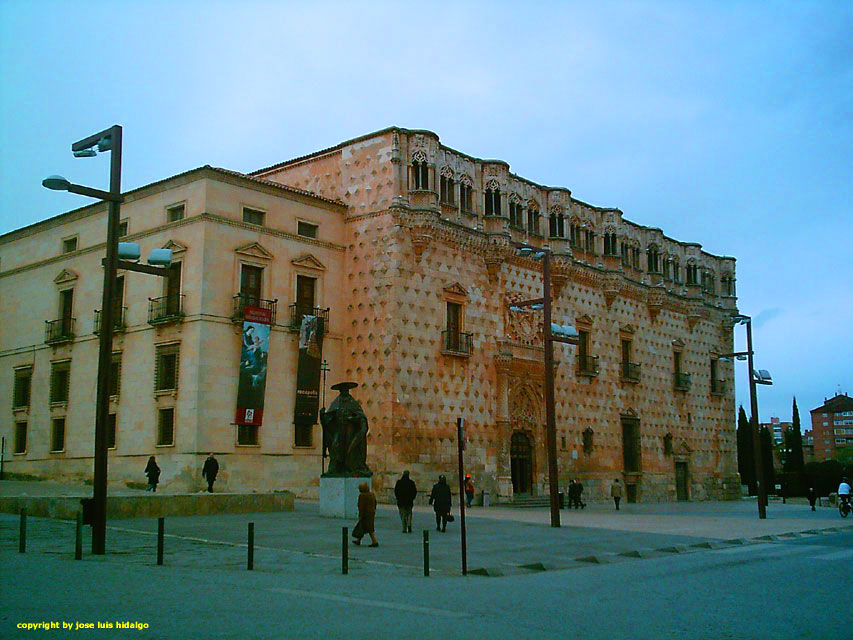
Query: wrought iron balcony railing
{"points": [[681, 381], [457, 342], [119, 323], [297, 311], [630, 372], [165, 309], [242, 300], [587, 365], [56, 331]]}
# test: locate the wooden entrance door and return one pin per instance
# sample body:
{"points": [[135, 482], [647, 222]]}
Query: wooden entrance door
{"points": [[681, 481], [521, 462]]}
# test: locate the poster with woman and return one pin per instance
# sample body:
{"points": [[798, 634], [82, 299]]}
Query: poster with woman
{"points": [[254, 354]]}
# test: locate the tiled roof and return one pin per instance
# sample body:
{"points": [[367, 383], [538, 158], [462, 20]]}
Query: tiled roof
{"points": [[836, 404]]}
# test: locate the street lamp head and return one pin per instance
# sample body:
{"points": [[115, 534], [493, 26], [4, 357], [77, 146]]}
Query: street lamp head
{"points": [[128, 251], [160, 258], [762, 376], [741, 319], [56, 183], [85, 153]]}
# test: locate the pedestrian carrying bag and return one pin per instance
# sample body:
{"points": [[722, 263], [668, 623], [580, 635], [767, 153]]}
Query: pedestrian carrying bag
{"points": [[450, 517], [358, 530]]}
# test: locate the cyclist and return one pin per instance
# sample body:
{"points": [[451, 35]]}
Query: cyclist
{"points": [[844, 491]]}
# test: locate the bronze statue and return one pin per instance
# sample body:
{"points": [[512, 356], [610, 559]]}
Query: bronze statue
{"points": [[345, 434]]}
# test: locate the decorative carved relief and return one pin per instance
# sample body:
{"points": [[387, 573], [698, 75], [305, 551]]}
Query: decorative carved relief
{"points": [[612, 286], [419, 156], [447, 172], [503, 362], [525, 407], [524, 327], [494, 185], [654, 300]]}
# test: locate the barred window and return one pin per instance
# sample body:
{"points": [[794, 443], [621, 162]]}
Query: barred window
{"points": [[21, 437], [23, 382], [115, 375], [57, 435], [166, 367], [247, 434], [60, 380], [166, 427]]}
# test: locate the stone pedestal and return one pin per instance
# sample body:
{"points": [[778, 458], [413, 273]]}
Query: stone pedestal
{"points": [[339, 496]]}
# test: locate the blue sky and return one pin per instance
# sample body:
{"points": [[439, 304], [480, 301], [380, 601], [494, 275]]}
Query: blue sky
{"points": [[724, 123]]}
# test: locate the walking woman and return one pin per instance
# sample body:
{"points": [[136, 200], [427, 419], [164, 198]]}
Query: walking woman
{"points": [[440, 501], [366, 516], [153, 473]]}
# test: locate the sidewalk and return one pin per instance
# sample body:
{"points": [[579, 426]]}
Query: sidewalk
{"points": [[500, 540]]}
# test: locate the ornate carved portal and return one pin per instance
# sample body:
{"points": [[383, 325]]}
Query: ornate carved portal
{"points": [[525, 409]]}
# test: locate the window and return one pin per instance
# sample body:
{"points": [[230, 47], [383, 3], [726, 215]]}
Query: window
{"points": [[251, 278], [20, 437], [653, 260], [306, 229], [115, 375], [447, 189], [305, 290], [454, 327], [111, 431], [610, 244], [66, 309], [420, 173], [676, 272], [173, 290], [303, 435], [533, 220], [515, 214], [176, 212], [57, 435], [21, 392], [493, 201], [589, 241], [466, 196], [166, 427], [69, 245], [253, 216], [247, 434], [166, 367], [557, 225], [676, 355], [667, 269], [716, 386], [122, 228], [60, 378], [575, 236], [692, 274], [626, 255], [635, 257]]}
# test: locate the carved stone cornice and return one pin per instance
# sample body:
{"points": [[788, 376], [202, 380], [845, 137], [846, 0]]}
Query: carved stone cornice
{"points": [[503, 362], [654, 300], [497, 252], [611, 285]]}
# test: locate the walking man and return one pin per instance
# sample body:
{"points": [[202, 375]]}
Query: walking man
{"points": [[616, 492], [579, 503], [469, 490], [405, 491], [209, 471]]}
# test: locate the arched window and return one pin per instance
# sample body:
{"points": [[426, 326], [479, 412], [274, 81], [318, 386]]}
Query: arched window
{"points": [[466, 197], [610, 243], [493, 199], [533, 217], [515, 213], [589, 240], [575, 234], [557, 227], [447, 186], [653, 259], [420, 171], [692, 274]]}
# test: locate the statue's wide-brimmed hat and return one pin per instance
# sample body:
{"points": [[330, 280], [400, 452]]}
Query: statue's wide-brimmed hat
{"points": [[344, 386]]}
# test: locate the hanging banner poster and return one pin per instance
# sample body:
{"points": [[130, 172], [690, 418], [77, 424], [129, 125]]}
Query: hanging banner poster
{"points": [[308, 371], [253, 366]]}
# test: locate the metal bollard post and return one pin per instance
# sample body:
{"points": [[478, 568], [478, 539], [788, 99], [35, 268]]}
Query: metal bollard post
{"points": [[251, 546], [161, 526], [344, 551], [78, 540], [22, 540], [426, 552]]}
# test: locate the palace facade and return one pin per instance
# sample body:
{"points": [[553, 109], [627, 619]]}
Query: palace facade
{"points": [[408, 251]]}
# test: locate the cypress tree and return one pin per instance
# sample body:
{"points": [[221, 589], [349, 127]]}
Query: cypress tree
{"points": [[745, 452], [767, 460], [794, 461]]}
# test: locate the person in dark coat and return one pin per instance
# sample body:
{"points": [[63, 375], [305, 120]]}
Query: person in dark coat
{"points": [[570, 494], [579, 503], [441, 503], [366, 516], [209, 471], [153, 473], [812, 496], [405, 491]]}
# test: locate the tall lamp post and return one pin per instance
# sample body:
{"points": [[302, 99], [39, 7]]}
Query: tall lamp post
{"points": [[551, 333], [107, 140], [755, 377]]}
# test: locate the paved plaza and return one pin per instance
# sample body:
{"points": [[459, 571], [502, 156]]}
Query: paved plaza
{"points": [[297, 560]]}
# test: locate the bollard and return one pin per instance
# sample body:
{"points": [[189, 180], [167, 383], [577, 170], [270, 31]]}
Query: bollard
{"points": [[78, 540], [251, 546], [344, 551], [426, 552], [22, 541], [161, 526]]}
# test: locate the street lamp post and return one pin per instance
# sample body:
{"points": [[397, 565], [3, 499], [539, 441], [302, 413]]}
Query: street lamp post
{"points": [[107, 140], [762, 377], [563, 334]]}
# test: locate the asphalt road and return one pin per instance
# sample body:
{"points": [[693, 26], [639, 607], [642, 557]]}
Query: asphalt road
{"points": [[781, 589]]}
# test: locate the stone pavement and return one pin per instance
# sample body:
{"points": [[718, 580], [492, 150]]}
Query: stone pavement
{"points": [[500, 540]]}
